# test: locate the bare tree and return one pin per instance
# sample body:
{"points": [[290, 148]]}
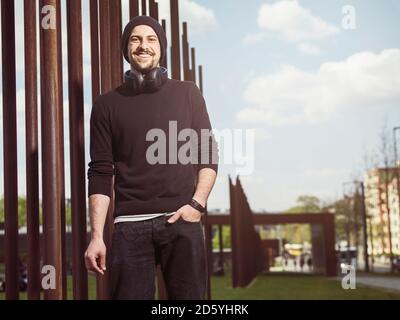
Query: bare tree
{"points": [[386, 160]]}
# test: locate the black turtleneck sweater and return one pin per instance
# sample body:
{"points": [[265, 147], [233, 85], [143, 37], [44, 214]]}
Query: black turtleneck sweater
{"points": [[119, 123]]}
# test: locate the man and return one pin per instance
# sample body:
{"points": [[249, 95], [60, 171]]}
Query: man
{"points": [[158, 204]]}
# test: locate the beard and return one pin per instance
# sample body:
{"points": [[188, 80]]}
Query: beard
{"points": [[144, 66]]}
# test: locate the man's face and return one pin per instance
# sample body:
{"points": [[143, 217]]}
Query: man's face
{"points": [[144, 48]]}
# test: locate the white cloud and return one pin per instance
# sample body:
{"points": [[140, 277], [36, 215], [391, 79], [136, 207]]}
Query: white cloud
{"points": [[200, 19], [309, 49], [293, 21], [262, 135], [293, 96], [254, 38]]}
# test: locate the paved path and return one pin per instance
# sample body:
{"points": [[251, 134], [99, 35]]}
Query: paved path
{"points": [[389, 283]]}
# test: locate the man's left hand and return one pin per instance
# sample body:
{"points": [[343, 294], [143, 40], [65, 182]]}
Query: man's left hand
{"points": [[187, 213]]}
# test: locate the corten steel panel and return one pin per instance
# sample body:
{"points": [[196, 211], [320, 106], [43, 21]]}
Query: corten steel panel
{"points": [[209, 255], [51, 107], [329, 240], [61, 154], [10, 149], [232, 220], [247, 250], [175, 46], [77, 149], [31, 137], [133, 8], [324, 219], [318, 248]]}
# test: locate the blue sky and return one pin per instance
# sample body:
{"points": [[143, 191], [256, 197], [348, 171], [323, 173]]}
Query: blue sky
{"points": [[316, 94]]}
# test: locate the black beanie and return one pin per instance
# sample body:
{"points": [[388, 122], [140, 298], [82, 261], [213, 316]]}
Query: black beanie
{"points": [[149, 21]]}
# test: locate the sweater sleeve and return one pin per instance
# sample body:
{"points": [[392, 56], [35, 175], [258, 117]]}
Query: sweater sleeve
{"points": [[208, 156], [101, 166]]}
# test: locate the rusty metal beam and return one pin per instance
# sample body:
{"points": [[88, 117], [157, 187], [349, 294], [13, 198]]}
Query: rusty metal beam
{"points": [[144, 11], [201, 78], [10, 148], [77, 149], [61, 166], [164, 62], [193, 68], [51, 113], [31, 137], [175, 46], [103, 281], [187, 76], [94, 47], [115, 43], [153, 10], [133, 8]]}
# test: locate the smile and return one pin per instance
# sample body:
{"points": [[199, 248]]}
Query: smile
{"points": [[143, 55]]}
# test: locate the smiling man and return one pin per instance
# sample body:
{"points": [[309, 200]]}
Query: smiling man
{"points": [[158, 206]]}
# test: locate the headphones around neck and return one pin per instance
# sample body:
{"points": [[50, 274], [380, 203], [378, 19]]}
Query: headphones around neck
{"points": [[148, 82]]}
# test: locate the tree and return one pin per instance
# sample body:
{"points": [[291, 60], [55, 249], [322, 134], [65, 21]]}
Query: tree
{"points": [[300, 233]]}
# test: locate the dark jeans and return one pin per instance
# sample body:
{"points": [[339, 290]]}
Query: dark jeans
{"points": [[179, 248]]}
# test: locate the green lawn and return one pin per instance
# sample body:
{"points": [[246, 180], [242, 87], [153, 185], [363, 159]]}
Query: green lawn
{"points": [[276, 286], [305, 287]]}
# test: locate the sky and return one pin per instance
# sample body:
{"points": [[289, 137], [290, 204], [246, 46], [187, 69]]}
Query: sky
{"points": [[314, 80]]}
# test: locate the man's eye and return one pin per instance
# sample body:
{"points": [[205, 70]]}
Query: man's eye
{"points": [[134, 39], [153, 39]]}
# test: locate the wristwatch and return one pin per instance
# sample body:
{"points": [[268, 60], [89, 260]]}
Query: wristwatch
{"points": [[194, 204]]}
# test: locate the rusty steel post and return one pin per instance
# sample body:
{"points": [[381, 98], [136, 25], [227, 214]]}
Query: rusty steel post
{"points": [[133, 8], [94, 47], [115, 43], [31, 136], [60, 160], [233, 233], [77, 149], [193, 69], [51, 113], [164, 62], [153, 9], [201, 78], [185, 54], [175, 46], [106, 85], [10, 149], [144, 11], [221, 248], [209, 253]]}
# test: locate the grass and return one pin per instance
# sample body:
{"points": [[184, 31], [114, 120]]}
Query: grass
{"points": [[91, 290], [295, 287], [275, 287]]}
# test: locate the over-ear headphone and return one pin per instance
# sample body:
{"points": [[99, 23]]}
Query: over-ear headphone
{"points": [[148, 82]]}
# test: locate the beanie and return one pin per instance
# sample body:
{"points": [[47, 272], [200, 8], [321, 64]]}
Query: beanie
{"points": [[149, 21]]}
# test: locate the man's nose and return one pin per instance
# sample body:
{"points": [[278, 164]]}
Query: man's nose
{"points": [[144, 45]]}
